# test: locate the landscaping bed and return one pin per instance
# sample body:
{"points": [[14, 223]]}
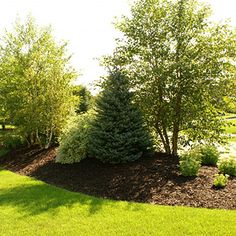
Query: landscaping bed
{"points": [[153, 179]]}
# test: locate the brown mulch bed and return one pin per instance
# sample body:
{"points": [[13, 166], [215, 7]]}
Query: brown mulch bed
{"points": [[153, 179]]}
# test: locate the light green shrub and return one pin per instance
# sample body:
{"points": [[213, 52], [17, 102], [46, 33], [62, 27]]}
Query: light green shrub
{"points": [[190, 162], [227, 166], [220, 180], [74, 140], [209, 155]]}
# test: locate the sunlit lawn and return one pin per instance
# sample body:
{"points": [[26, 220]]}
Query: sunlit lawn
{"points": [[230, 116], [30, 207], [232, 128]]}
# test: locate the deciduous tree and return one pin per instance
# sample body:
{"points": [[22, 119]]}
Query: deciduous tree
{"points": [[35, 78], [179, 63]]}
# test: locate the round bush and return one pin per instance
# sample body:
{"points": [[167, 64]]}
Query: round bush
{"points": [[227, 166], [220, 180], [190, 162], [209, 155], [74, 141]]}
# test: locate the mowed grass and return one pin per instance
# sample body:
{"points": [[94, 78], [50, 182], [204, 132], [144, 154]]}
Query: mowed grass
{"points": [[232, 128], [231, 118], [31, 207]]}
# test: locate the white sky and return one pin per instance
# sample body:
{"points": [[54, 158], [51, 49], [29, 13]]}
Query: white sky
{"points": [[87, 25]]}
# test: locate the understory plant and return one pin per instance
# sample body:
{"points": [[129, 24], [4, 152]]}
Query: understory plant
{"points": [[220, 180], [190, 162], [74, 140], [209, 155], [227, 165], [13, 140]]}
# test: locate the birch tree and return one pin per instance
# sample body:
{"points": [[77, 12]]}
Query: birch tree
{"points": [[35, 78]]}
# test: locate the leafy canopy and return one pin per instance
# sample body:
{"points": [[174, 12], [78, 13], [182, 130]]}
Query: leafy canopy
{"points": [[35, 77], [179, 64]]}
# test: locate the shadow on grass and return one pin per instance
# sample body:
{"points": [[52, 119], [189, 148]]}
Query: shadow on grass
{"points": [[39, 198], [34, 199]]}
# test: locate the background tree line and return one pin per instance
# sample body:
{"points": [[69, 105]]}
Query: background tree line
{"points": [[178, 70]]}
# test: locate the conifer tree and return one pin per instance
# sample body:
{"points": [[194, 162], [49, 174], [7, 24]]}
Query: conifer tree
{"points": [[118, 133]]}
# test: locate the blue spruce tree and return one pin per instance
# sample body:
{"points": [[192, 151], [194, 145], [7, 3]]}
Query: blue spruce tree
{"points": [[118, 133]]}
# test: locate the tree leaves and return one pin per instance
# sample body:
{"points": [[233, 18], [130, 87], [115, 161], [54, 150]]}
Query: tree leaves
{"points": [[179, 63], [35, 79]]}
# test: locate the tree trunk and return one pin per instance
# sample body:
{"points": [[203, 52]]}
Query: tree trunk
{"points": [[175, 139], [49, 139], [38, 138], [176, 124], [177, 110], [168, 149], [165, 142]]}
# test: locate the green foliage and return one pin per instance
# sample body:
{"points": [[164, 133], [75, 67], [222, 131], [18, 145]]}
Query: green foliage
{"points": [[227, 166], [179, 63], [230, 103], [190, 162], [3, 152], [13, 140], [83, 98], [209, 155], [220, 180], [118, 133], [35, 78], [74, 140]]}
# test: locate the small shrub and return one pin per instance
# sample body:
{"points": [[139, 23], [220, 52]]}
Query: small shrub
{"points": [[12, 140], [74, 141], [227, 166], [190, 162], [220, 180], [209, 155]]}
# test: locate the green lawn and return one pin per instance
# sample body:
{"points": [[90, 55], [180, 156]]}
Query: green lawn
{"points": [[30, 207], [231, 129], [230, 116]]}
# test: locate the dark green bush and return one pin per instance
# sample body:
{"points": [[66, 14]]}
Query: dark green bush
{"points": [[220, 180], [74, 140], [209, 155], [12, 140], [227, 166], [190, 162]]}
